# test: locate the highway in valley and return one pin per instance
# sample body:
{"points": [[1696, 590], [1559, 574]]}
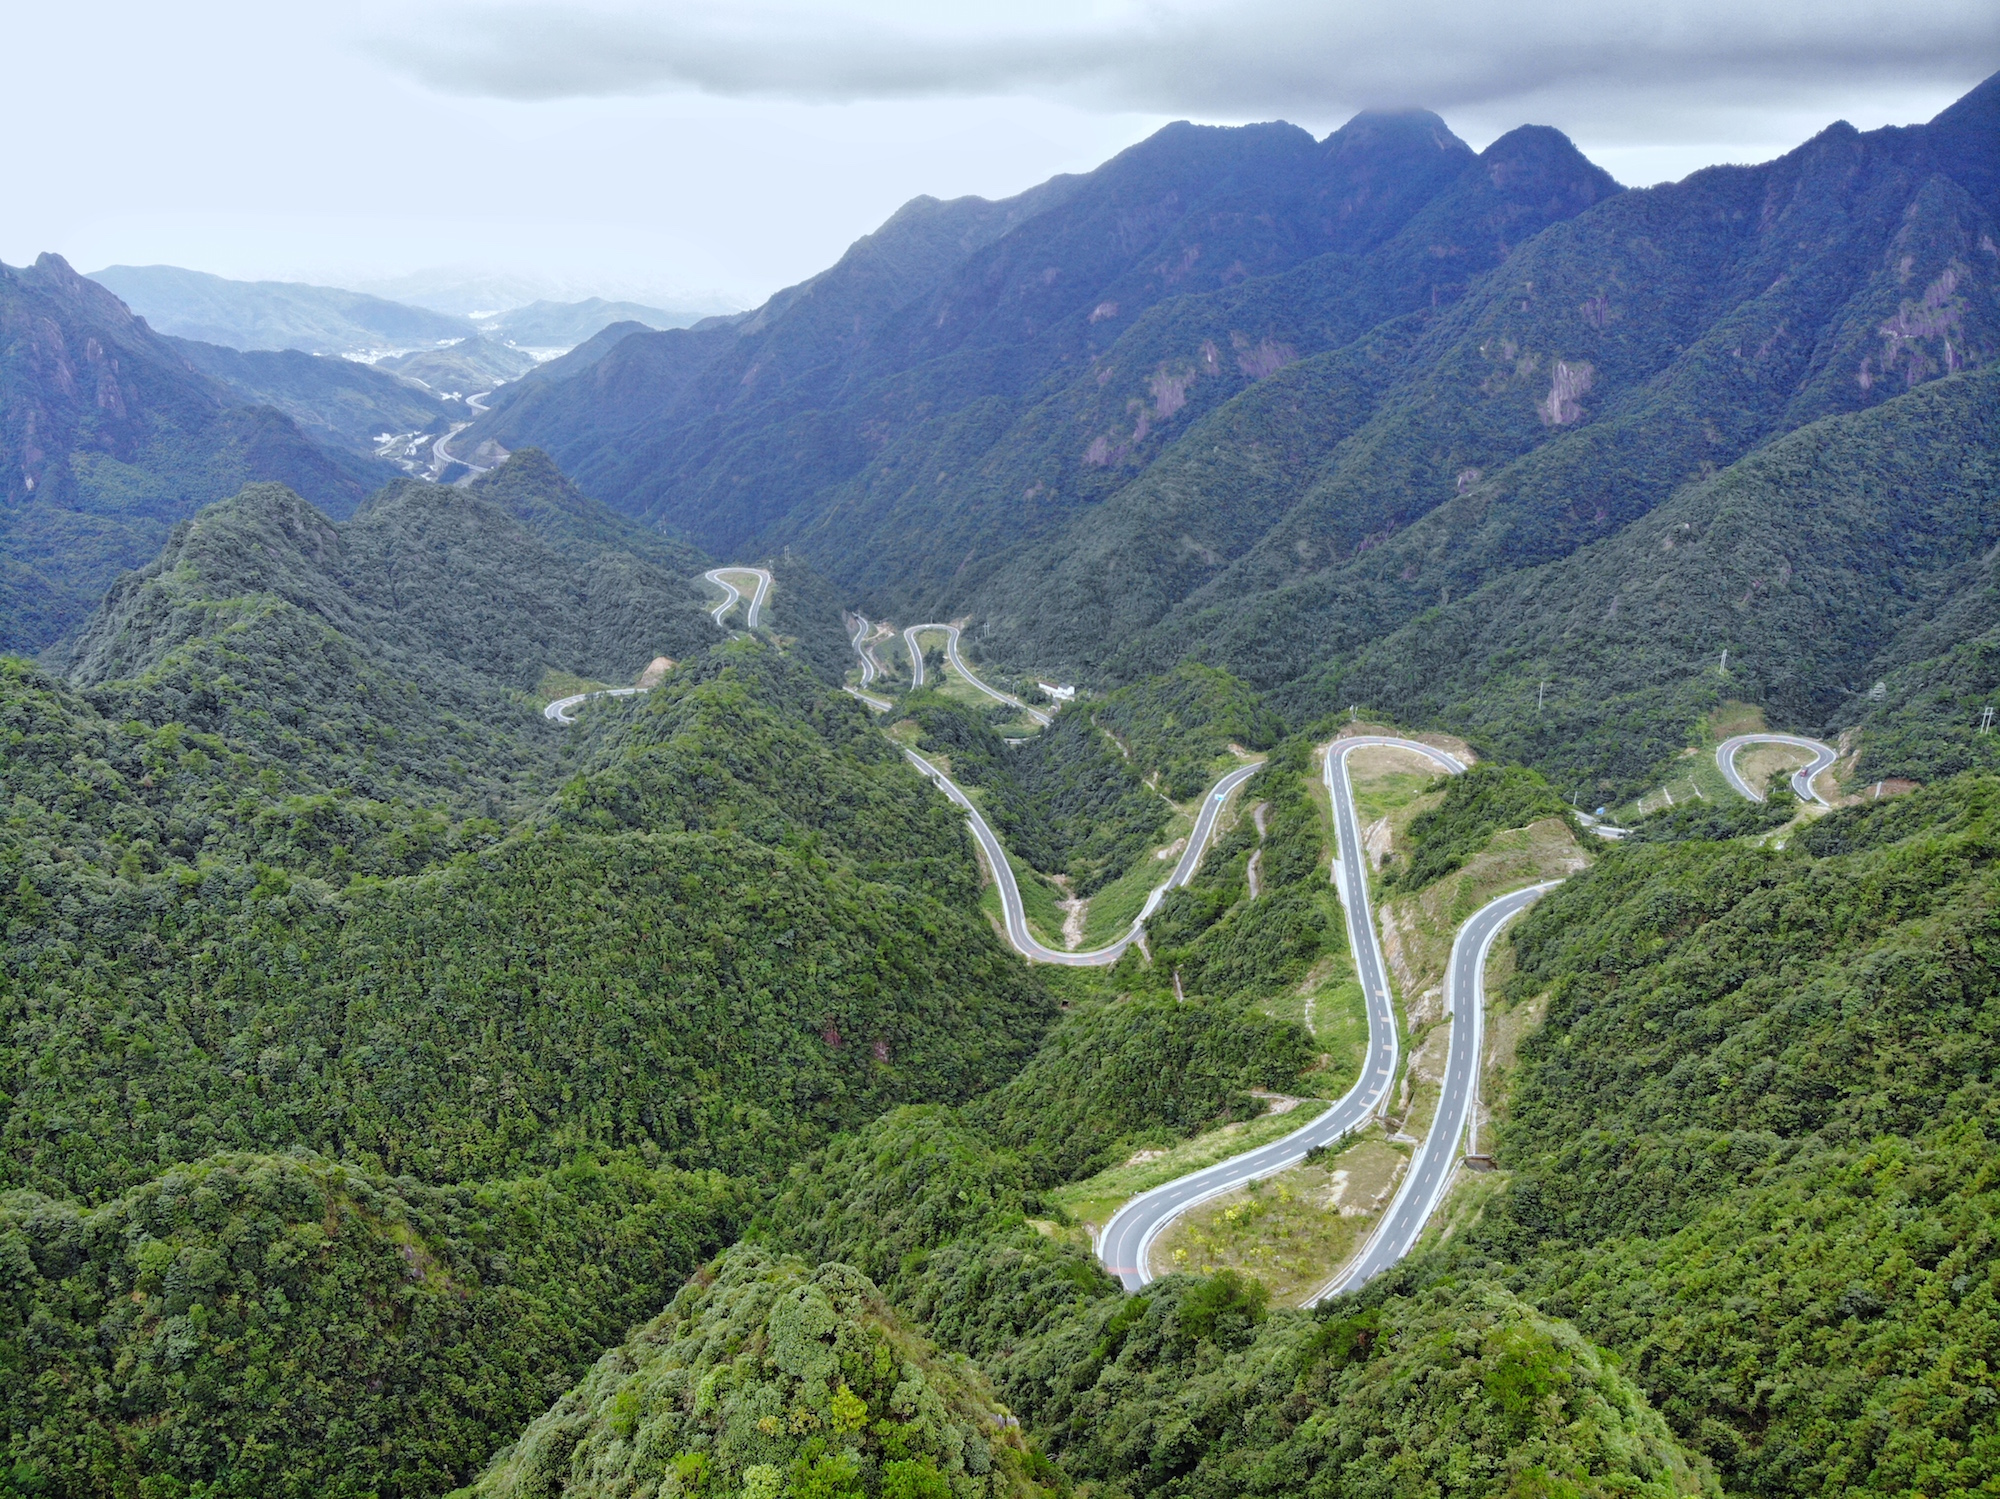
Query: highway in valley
{"points": [[1127, 1240]]}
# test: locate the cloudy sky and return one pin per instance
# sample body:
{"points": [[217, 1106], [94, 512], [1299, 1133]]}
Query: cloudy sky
{"points": [[670, 149]]}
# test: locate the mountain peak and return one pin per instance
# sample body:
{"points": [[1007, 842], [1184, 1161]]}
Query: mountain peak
{"points": [[1375, 130], [1381, 167], [1530, 158], [1966, 140], [55, 277]]}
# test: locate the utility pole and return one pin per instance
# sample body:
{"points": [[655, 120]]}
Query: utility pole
{"points": [[1986, 722], [1540, 693]]}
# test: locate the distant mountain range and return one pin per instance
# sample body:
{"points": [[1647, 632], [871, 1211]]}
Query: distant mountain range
{"points": [[1298, 408], [479, 294], [328, 320], [1263, 400], [110, 434], [113, 428]]}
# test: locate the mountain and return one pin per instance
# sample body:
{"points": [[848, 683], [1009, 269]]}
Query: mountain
{"points": [[340, 402], [465, 366], [109, 435], [419, 626], [1289, 394], [1821, 563], [949, 305], [456, 1013], [1077, 447], [273, 314], [835, 1348], [606, 384], [564, 325], [1615, 357], [404, 1094]]}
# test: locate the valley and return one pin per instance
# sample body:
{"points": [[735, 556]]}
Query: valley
{"points": [[1299, 815]]}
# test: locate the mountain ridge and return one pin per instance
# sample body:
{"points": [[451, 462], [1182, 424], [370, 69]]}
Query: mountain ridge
{"points": [[109, 435]]}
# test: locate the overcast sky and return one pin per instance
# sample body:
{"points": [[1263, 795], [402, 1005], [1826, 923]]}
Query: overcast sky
{"points": [[661, 149]]}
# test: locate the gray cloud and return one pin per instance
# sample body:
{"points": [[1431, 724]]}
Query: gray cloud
{"points": [[1235, 58]]}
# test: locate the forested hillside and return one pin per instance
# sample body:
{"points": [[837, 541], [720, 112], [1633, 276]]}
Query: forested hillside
{"points": [[361, 1025], [1815, 563], [109, 436], [1610, 360], [1065, 801], [405, 1093], [285, 1325], [1194, 1384], [1752, 1146], [1748, 1153]]}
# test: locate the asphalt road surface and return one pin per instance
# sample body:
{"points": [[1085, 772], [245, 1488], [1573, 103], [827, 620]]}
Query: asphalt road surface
{"points": [[721, 611], [1128, 1238], [1436, 1161], [1016, 920], [563, 709], [870, 667], [1823, 755], [1042, 719]]}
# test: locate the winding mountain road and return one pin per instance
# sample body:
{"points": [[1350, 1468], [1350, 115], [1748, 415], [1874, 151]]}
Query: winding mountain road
{"points": [[563, 709], [1823, 755], [1127, 1240], [721, 611], [1015, 916], [870, 667], [1042, 720], [1436, 1161]]}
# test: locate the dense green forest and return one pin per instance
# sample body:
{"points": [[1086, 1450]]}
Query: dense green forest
{"points": [[1219, 942], [1067, 800], [1752, 1146], [293, 873], [345, 1119], [765, 1377], [1193, 1386], [285, 1325], [405, 1094], [1818, 564], [1473, 806], [1178, 725]]}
